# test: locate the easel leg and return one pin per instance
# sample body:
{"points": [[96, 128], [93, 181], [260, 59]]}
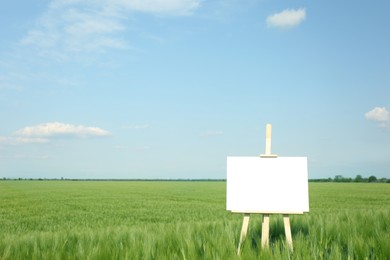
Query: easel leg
{"points": [[265, 231], [287, 231], [244, 230]]}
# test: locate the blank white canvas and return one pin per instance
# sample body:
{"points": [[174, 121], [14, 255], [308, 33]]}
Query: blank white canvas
{"points": [[267, 185]]}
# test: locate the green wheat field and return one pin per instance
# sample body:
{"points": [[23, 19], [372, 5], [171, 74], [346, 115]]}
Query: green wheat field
{"points": [[183, 220]]}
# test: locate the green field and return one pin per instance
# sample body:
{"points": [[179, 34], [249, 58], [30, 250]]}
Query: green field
{"points": [[183, 220]]}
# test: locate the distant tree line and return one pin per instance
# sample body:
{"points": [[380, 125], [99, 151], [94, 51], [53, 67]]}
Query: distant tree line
{"points": [[358, 178], [337, 178], [73, 179]]}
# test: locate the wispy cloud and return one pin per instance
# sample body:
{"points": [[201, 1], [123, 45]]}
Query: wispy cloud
{"points": [[144, 126], [168, 7], [379, 115], [132, 148], [11, 140], [211, 133], [119, 147], [287, 18], [165, 7], [56, 129], [75, 29], [142, 148], [94, 26], [27, 157]]}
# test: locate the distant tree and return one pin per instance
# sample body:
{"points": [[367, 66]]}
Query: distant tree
{"points": [[372, 178], [338, 178], [358, 178]]}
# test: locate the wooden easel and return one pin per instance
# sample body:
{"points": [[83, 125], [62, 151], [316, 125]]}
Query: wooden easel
{"points": [[265, 222]]}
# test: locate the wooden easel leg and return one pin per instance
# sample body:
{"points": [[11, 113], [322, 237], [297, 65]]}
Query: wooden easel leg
{"points": [[265, 231], [287, 231], [244, 230]]}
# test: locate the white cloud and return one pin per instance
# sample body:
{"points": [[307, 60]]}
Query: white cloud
{"points": [[380, 115], [60, 129], [287, 19]]}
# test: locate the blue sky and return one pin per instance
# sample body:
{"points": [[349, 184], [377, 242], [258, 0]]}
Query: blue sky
{"points": [[169, 88]]}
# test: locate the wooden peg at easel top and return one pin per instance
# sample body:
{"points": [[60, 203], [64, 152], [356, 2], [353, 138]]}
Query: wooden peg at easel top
{"points": [[268, 137]]}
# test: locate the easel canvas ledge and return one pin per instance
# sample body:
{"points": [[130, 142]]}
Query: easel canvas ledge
{"points": [[268, 212]]}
